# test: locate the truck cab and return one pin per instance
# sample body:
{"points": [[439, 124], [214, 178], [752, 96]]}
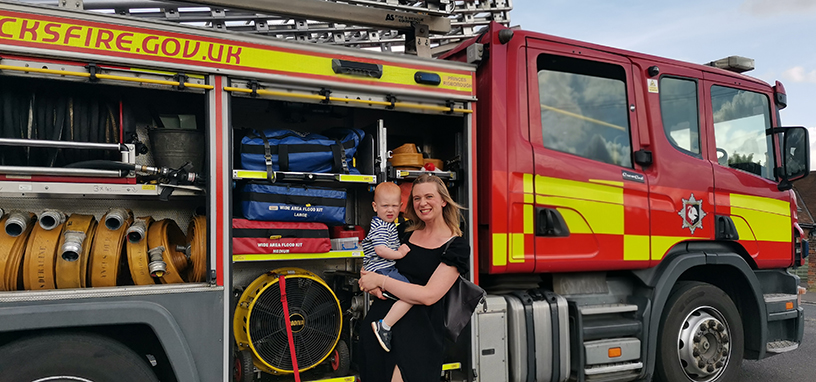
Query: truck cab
{"points": [[624, 179]]}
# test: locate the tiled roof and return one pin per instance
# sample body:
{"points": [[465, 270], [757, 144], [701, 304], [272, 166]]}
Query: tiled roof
{"points": [[806, 194]]}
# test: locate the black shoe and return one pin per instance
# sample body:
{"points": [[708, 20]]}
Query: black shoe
{"points": [[383, 336]]}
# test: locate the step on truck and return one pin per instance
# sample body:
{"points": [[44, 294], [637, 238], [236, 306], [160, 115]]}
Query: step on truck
{"points": [[631, 217]]}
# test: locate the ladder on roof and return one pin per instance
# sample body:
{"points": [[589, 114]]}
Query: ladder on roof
{"points": [[422, 27]]}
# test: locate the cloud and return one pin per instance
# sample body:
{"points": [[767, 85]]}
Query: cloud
{"points": [[799, 74], [775, 7]]}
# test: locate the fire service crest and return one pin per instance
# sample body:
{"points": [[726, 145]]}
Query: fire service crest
{"points": [[692, 214]]}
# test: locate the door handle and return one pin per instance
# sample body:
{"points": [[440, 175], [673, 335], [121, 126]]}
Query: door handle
{"points": [[550, 223]]}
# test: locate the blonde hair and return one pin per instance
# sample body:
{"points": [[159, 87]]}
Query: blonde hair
{"points": [[387, 188], [451, 211]]}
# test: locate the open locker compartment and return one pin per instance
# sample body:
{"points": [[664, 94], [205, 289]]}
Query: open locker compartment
{"points": [[72, 189], [433, 133]]}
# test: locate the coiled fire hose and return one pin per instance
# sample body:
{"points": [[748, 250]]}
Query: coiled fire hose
{"points": [[197, 237], [164, 238], [39, 261], [74, 251], [136, 247], [106, 252], [12, 249]]}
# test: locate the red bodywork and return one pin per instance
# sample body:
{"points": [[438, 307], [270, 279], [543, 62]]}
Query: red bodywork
{"points": [[648, 218]]}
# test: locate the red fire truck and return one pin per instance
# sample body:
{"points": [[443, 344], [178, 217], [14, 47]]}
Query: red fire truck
{"points": [[631, 216]]}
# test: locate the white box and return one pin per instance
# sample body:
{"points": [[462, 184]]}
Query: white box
{"points": [[345, 244]]}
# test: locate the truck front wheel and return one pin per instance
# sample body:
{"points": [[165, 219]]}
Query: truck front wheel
{"points": [[72, 357], [701, 338]]}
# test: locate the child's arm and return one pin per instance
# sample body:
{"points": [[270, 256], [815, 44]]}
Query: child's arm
{"points": [[390, 254]]}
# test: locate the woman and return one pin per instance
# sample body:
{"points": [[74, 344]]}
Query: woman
{"points": [[418, 338]]}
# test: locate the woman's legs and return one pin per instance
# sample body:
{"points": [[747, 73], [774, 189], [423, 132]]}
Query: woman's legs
{"points": [[397, 377]]}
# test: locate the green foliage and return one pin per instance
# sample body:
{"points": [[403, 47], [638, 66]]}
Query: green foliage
{"points": [[740, 158]]}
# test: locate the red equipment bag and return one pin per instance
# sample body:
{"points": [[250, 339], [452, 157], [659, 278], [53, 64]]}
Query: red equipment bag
{"points": [[257, 237]]}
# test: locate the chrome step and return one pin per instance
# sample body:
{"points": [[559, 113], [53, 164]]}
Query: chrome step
{"points": [[782, 346], [589, 310], [612, 368], [779, 297]]}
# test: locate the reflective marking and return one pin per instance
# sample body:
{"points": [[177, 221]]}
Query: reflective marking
{"points": [[662, 244], [527, 180], [499, 249], [743, 229], [250, 174], [607, 182], [529, 198], [575, 222], [635, 247], [516, 248], [581, 190], [452, 366], [603, 218], [528, 219], [758, 203], [765, 225], [357, 178], [340, 379], [298, 256]]}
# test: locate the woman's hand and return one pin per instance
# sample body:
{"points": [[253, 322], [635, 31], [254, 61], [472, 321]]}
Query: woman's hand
{"points": [[370, 281]]}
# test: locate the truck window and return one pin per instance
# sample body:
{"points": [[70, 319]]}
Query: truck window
{"points": [[741, 118], [679, 109], [584, 109]]}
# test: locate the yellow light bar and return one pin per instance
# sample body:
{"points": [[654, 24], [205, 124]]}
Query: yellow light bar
{"points": [[614, 352], [452, 366], [317, 97]]}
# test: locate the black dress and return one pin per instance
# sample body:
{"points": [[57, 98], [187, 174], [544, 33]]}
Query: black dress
{"points": [[417, 345]]}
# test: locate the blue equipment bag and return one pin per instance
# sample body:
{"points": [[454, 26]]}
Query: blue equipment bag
{"points": [[293, 204], [288, 150]]}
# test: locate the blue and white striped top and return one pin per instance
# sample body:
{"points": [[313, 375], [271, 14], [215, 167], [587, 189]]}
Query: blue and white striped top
{"points": [[381, 233]]}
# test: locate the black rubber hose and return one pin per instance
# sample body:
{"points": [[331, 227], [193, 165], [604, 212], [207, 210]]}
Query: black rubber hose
{"points": [[59, 126], [101, 165]]}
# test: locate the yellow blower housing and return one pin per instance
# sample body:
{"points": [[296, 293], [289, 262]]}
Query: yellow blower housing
{"points": [[314, 315]]}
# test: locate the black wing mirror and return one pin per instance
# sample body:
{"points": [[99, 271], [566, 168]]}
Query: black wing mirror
{"points": [[795, 161]]}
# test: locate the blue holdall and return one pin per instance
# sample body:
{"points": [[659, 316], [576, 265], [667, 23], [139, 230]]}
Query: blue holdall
{"points": [[290, 203], [289, 150]]}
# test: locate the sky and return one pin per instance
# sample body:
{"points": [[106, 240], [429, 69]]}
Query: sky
{"points": [[775, 33]]}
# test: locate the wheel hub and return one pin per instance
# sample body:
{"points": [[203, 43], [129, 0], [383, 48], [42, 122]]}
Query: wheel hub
{"points": [[703, 345]]}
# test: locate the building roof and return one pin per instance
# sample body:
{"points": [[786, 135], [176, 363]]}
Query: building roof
{"points": [[806, 195]]}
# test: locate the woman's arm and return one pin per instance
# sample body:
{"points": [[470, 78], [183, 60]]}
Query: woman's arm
{"points": [[440, 282]]}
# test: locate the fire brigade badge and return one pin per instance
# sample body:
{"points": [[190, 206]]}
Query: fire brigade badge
{"points": [[692, 214]]}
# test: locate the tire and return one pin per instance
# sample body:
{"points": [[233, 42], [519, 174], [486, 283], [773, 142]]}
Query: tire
{"points": [[243, 369], [340, 360], [703, 316], [72, 357]]}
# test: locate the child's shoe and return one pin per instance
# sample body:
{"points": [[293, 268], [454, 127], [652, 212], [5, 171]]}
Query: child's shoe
{"points": [[383, 336]]}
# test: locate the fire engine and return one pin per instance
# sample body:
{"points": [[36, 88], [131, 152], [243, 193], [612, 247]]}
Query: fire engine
{"points": [[630, 216]]}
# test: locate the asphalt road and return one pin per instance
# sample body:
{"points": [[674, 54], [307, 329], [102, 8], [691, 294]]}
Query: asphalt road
{"points": [[798, 365]]}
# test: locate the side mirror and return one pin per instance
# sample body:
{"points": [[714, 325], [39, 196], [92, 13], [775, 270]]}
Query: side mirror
{"points": [[795, 161]]}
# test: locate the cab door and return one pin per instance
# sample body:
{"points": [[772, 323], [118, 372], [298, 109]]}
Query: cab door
{"points": [[590, 210], [681, 182], [743, 153]]}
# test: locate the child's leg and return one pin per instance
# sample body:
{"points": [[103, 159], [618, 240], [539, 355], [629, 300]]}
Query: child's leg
{"points": [[396, 312]]}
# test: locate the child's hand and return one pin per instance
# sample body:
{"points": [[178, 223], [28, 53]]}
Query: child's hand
{"points": [[404, 249]]}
